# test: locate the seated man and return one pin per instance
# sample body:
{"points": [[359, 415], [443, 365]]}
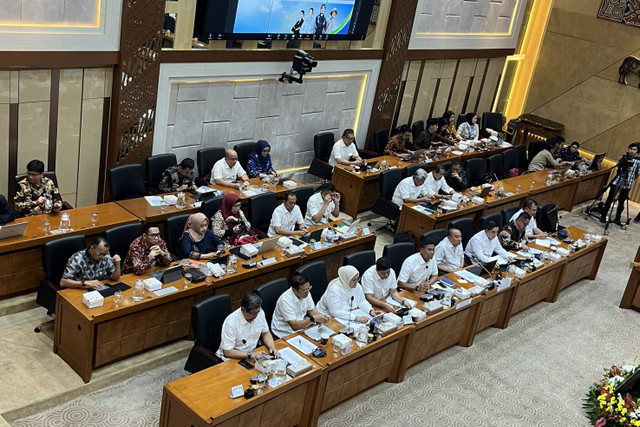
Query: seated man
{"points": [[242, 329], [420, 270], [533, 232], [344, 151], [227, 171], [379, 282], [285, 218], [37, 194], [513, 235], [435, 183], [456, 177], [549, 156], [484, 244], [7, 214], [295, 309], [86, 268], [428, 137], [449, 254], [411, 189], [398, 144], [178, 178], [146, 251], [322, 205]]}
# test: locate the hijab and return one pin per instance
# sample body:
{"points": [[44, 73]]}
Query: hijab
{"points": [[345, 274], [194, 222], [261, 145], [227, 203], [470, 117]]}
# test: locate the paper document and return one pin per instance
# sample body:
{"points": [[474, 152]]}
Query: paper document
{"points": [[397, 304], [357, 312], [154, 200], [553, 241], [543, 242], [468, 276], [290, 356], [302, 344], [166, 291], [535, 251]]}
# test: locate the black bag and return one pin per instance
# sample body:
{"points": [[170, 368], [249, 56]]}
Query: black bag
{"points": [[196, 275]]}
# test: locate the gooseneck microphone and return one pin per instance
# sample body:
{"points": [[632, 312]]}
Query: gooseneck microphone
{"points": [[348, 330], [481, 264]]}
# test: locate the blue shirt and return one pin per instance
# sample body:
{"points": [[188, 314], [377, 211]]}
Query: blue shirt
{"points": [[255, 167], [187, 248]]}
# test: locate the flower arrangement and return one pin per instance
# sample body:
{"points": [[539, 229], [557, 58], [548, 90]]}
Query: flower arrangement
{"points": [[605, 407]]}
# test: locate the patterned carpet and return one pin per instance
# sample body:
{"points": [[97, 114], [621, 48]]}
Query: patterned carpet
{"points": [[534, 373]]}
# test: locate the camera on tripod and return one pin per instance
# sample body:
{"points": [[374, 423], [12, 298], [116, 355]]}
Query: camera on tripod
{"points": [[302, 63]]}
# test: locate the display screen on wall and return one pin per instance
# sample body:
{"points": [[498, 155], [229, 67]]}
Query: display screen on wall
{"points": [[285, 20]]}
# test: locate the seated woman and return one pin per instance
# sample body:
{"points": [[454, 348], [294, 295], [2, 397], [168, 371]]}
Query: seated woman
{"points": [[469, 130], [197, 241], [397, 145], [570, 153], [259, 163], [451, 131], [230, 224], [337, 299], [443, 134]]}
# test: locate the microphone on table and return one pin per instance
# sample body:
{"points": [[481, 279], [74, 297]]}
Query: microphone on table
{"points": [[348, 330], [481, 264]]}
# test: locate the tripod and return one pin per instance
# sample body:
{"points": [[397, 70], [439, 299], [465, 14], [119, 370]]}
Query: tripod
{"points": [[616, 186]]}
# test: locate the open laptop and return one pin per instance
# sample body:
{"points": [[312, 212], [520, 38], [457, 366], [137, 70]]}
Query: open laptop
{"points": [[371, 165], [479, 271], [168, 275], [315, 235], [596, 162], [285, 177], [13, 230], [417, 155], [268, 245]]}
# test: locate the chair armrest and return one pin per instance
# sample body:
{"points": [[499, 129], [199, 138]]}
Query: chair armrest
{"points": [[368, 154]]}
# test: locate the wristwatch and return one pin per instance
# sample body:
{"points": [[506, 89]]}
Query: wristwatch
{"points": [[416, 288], [249, 355], [313, 320], [83, 283]]}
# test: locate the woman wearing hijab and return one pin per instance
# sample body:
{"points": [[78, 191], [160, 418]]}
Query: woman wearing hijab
{"points": [[469, 130], [451, 131], [336, 301], [259, 162], [229, 223], [197, 241]]}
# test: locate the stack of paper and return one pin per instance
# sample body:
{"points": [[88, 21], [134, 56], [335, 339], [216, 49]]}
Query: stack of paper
{"points": [[301, 344]]}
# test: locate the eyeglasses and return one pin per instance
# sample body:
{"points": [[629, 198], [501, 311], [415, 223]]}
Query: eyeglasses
{"points": [[253, 312], [233, 159], [101, 254], [306, 290], [154, 235]]}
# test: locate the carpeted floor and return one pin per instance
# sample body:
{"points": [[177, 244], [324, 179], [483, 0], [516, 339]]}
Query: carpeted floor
{"points": [[534, 373]]}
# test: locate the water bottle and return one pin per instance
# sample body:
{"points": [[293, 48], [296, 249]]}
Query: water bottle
{"points": [[182, 202], [65, 223], [138, 291]]}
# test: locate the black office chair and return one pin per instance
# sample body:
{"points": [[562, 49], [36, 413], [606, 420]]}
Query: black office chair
{"points": [[461, 119], [55, 254], [475, 171], [261, 207], [361, 260], [416, 128], [363, 153], [322, 146], [302, 197], [507, 213], [522, 157], [243, 151], [126, 182], [534, 148], [493, 121], [411, 169], [435, 236], [173, 229], [52, 176], [207, 317], [270, 292], [205, 159], [211, 205], [496, 217], [495, 166], [380, 139], [465, 225], [547, 217], [120, 238], [316, 274], [446, 166], [397, 253], [155, 166], [510, 160], [387, 184]]}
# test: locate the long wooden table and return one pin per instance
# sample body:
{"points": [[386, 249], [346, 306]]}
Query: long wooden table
{"points": [[359, 190], [631, 296], [21, 257]]}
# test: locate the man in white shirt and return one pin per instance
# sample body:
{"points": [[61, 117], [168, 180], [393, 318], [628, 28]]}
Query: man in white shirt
{"points": [[435, 182], [484, 243], [344, 151], [322, 205], [420, 270], [227, 171], [285, 218], [295, 309], [449, 254], [241, 330], [411, 189], [379, 282], [532, 230]]}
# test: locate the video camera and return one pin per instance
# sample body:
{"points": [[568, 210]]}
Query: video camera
{"points": [[302, 63]]}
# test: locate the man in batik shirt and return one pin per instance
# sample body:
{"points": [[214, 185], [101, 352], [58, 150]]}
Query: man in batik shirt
{"points": [[86, 268], [37, 194], [146, 251], [178, 178]]}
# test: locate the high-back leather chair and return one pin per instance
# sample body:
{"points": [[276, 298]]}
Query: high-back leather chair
{"points": [[270, 292], [48, 174], [411, 169], [416, 128], [510, 160], [243, 151], [495, 166], [206, 158], [126, 182], [397, 253], [316, 274], [461, 119], [475, 171], [380, 139], [55, 254], [522, 157], [547, 217], [155, 166], [507, 213], [465, 225], [322, 146], [493, 121], [173, 229], [120, 238], [361, 260], [207, 317], [261, 207], [435, 236], [211, 205], [534, 148], [387, 184], [495, 217], [302, 197]]}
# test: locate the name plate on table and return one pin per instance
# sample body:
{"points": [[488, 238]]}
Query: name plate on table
{"points": [[266, 262], [463, 304]]}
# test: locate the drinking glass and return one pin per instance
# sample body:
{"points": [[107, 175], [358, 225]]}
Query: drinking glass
{"points": [[46, 226], [117, 297], [163, 206], [587, 239], [94, 218], [138, 291], [336, 351], [518, 188], [187, 279], [232, 264]]}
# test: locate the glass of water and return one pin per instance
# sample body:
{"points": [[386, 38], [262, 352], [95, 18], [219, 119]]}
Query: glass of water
{"points": [[163, 206], [187, 280], [117, 297], [46, 226], [94, 218]]}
